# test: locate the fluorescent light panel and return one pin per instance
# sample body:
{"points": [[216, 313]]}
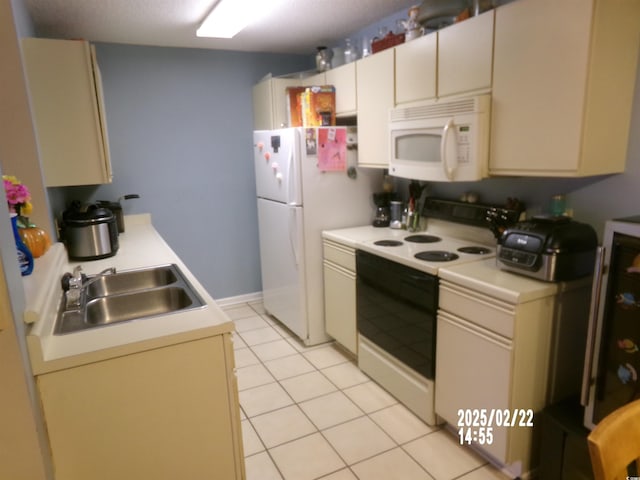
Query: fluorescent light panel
{"points": [[228, 17]]}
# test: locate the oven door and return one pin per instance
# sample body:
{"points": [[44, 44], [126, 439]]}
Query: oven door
{"points": [[396, 310]]}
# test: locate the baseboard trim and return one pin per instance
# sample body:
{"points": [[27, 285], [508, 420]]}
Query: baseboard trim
{"points": [[247, 298]]}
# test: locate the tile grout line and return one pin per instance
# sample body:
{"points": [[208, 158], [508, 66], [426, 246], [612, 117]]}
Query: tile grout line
{"points": [[317, 429]]}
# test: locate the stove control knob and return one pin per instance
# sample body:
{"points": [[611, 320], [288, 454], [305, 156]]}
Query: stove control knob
{"points": [[279, 176], [275, 166]]}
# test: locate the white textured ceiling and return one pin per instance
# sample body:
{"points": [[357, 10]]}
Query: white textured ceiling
{"points": [[295, 26]]}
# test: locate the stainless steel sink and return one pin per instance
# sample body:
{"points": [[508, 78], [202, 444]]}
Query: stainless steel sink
{"points": [[128, 306], [132, 280], [129, 295]]}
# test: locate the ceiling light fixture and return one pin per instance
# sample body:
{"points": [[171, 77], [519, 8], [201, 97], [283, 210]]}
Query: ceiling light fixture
{"points": [[228, 17]]}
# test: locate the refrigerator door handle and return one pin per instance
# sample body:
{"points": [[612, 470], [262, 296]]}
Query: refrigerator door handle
{"points": [[293, 234], [592, 328]]}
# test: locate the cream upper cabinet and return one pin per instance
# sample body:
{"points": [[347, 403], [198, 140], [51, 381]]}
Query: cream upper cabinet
{"points": [[563, 86], [68, 112], [455, 60], [317, 79], [465, 52], [343, 78], [375, 96], [270, 103], [416, 69]]}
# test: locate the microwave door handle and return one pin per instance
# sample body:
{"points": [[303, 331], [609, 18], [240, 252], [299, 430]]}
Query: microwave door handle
{"points": [[449, 169]]}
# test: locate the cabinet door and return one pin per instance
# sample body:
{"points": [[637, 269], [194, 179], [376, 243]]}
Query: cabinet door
{"points": [[375, 92], [416, 69], [163, 414], [270, 103], [340, 305], [465, 53], [343, 78], [539, 86], [473, 371], [67, 110]]}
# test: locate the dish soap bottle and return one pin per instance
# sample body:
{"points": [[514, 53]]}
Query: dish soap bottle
{"points": [[25, 259]]}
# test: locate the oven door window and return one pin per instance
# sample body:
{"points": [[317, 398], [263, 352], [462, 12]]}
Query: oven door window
{"points": [[396, 310]]}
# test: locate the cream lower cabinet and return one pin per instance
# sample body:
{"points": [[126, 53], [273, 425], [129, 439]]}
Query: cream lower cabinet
{"points": [[64, 85], [166, 413], [340, 294], [375, 96], [492, 355], [563, 90]]}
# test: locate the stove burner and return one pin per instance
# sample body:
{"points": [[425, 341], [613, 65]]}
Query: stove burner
{"points": [[422, 238], [388, 243], [475, 250], [436, 256]]}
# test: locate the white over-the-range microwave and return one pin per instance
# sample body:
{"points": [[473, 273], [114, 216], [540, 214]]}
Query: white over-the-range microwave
{"points": [[442, 140]]}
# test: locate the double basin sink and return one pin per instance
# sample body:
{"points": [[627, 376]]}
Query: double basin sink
{"points": [[108, 299]]}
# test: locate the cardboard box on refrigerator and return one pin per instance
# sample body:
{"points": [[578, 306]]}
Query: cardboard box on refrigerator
{"points": [[318, 106], [294, 106], [311, 106]]}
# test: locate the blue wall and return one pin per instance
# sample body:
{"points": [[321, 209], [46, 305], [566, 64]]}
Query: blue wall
{"points": [[180, 131]]}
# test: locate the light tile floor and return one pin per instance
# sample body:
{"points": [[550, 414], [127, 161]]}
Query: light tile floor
{"points": [[310, 413]]}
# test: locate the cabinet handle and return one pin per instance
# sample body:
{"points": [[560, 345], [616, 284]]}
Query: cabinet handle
{"points": [[475, 330], [336, 246], [495, 303], [340, 270]]}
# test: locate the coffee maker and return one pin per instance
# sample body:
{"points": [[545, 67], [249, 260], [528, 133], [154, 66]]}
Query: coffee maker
{"points": [[382, 202]]}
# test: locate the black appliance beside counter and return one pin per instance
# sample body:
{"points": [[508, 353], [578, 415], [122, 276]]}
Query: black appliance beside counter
{"points": [[547, 248]]}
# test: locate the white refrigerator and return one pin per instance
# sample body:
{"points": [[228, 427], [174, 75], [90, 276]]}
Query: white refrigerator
{"points": [[306, 182]]}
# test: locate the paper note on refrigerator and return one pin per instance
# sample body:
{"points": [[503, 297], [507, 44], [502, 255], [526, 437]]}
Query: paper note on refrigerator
{"points": [[332, 149]]}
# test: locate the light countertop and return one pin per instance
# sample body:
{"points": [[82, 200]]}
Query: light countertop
{"points": [[140, 246], [352, 237], [483, 276]]}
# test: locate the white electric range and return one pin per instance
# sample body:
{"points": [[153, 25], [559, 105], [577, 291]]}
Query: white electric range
{"points": [[397, 296]]}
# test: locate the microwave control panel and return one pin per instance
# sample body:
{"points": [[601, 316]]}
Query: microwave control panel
{"points": [[463, 134]]}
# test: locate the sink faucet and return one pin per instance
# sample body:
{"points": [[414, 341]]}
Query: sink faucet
{"points": [[75, 283]]}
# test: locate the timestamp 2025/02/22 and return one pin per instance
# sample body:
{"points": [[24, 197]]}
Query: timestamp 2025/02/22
{"points": [[476, 425]]}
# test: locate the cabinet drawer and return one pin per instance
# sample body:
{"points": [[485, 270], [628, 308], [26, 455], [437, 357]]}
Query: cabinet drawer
{"points": [[482, 310], [339, 254]]}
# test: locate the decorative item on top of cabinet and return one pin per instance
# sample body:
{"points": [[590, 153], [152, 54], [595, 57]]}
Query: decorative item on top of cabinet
{"points": [[552, 81], [375, 96], [66, 100], [340, 293]]}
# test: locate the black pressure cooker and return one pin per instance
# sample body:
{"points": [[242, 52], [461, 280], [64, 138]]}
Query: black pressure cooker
{"points": [[90, 232]]}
